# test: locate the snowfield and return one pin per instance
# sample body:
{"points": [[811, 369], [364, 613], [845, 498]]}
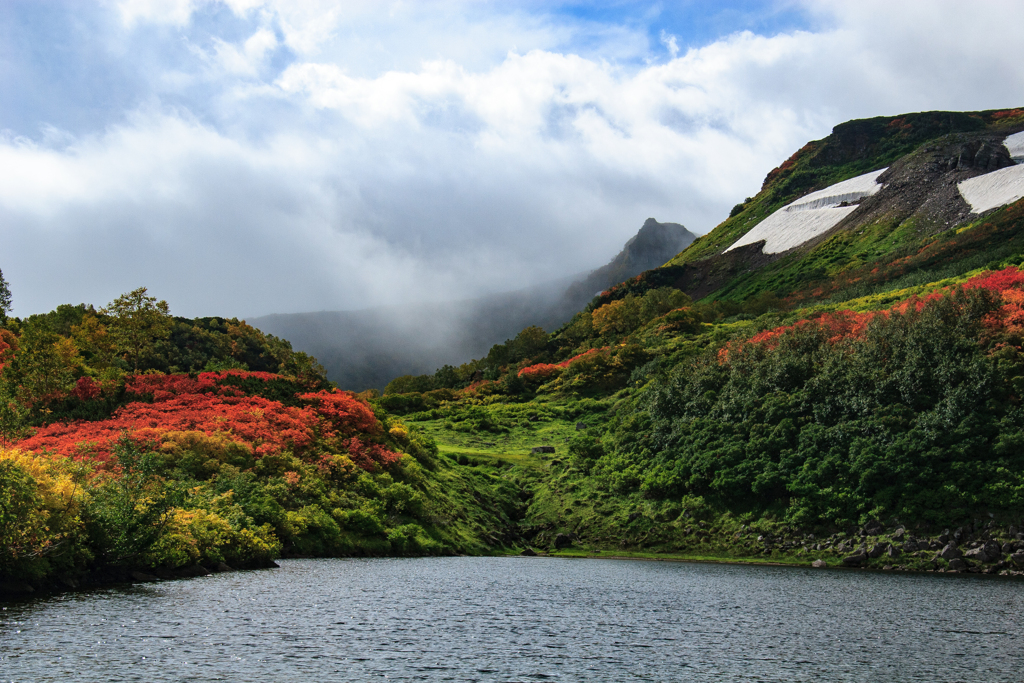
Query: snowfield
{"points": [[994, 189], [998, 188], [811, 215], [1015, 143]]}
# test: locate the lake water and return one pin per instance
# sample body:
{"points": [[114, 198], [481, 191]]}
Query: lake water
{"points": [[523, 619]]}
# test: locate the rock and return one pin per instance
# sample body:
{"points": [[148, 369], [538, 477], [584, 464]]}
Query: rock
{"points": [[222, 567], [898, 534], [856, 559], [542, 449], [68, 581], [1012, 531], [633, 516], [528, 552], [910, 546], [562, 541], [193, 571], [892, 551], [877, 551], [977, 554], [950, 551], [143, 577], [1007, 548], [957, 565], [1018, 558], [887, 568], [943, 537], [873, 528], [993, 550], [819, 564], [580, 426], [16, 587]]}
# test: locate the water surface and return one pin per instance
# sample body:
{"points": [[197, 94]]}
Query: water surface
{"points": [[523, 619]]}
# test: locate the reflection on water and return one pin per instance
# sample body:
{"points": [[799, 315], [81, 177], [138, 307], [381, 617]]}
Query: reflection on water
{"points": [[523, 619]]}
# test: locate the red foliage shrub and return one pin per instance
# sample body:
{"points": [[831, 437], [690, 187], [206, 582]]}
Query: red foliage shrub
{"points": [[85, 389], [1009, 319], [542, 370], [343, 412], [8, 347], [181, 403]]}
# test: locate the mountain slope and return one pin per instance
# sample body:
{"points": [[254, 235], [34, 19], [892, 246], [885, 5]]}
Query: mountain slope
{"points": [[366, 349], [862, 383]]}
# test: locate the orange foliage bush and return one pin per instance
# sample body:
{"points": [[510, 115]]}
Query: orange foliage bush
{"points": [[185, 404]]}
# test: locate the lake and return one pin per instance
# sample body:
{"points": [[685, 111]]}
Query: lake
{"points": [[523, 619]]}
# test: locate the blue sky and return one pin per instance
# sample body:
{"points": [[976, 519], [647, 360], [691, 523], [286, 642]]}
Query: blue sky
{"points": [[243, 157]]}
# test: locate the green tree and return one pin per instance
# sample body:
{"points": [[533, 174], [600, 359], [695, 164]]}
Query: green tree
{"points": [[139, 321], [5, 297], [133, 506], [13, 416]]}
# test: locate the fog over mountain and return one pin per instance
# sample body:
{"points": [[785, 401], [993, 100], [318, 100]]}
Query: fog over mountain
{"points": [[368, 348]]}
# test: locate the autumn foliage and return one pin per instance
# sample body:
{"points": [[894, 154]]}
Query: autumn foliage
{"points": [[837, 326], [181, 403], [545, 370]]}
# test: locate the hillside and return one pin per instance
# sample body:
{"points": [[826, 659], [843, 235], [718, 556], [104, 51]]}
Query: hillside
{"points": [[834, 374], [840, 358], [139, 446], [367, 348]]}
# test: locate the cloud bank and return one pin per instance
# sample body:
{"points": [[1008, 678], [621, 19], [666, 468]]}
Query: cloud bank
{"points": [[259, 156]]}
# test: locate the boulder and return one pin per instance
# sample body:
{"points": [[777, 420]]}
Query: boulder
{"points": [[1018, 558], [143, 577], [910, 546], [877, 551], [993, 550], [856, 559], [193, 571], [16, 587], [873, 528], [528, 552], [819, 564], [950, 552], [542, 449], [898, 534], [222, 567], [892, 551], [1008, 548], [562, 541], [957, 565], [580, 426], [978, 554]]}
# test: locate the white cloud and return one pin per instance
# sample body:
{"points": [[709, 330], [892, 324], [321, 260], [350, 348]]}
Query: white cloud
{"points": [[419, 151]]}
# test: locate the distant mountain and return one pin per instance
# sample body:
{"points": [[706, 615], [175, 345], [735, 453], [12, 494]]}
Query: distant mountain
{"points": [[651, 247], [368, 348]]}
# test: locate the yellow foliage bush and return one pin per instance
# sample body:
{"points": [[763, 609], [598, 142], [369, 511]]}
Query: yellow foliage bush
{"points": [[41, 500], [198, 536]]}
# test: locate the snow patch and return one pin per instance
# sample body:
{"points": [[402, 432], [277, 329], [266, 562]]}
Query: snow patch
{"points": [[994, 189], [1015, 144], [811, 215]]}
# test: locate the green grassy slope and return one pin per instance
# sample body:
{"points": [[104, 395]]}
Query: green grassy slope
{"points": [[797, 448]]}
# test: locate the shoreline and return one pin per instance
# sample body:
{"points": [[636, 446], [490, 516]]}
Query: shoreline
{"points": [[794, 564]]}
